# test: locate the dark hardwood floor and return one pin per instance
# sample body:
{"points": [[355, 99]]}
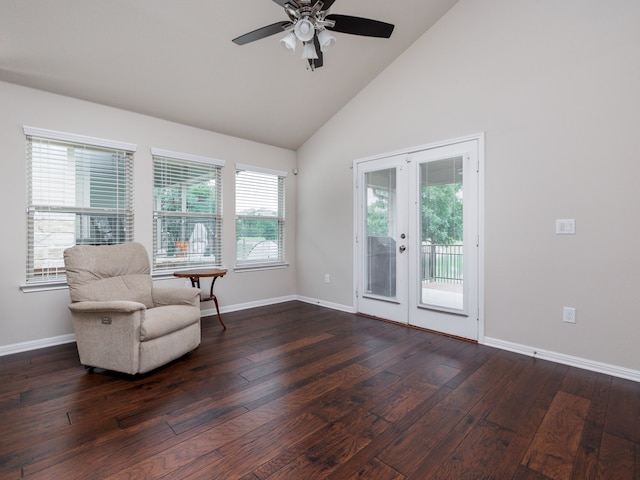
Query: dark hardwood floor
{"points": [[295, 391]]}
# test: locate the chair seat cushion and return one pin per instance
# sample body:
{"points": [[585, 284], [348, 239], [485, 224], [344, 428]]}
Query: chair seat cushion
{"points": [[163, 320]]}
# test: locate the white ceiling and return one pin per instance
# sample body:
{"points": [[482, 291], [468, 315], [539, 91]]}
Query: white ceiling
{"points": [[174, 59]]}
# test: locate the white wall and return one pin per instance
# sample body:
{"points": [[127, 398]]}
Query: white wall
{"points": [[30, 317], [555, 87]]}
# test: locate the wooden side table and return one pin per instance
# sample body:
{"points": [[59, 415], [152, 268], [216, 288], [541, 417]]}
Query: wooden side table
{"points": [[194, 276]]}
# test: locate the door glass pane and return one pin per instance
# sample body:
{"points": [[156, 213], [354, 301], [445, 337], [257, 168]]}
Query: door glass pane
{"points": [[441, 258], [380, 250]]}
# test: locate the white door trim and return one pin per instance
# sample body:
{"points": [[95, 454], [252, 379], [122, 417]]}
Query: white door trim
{"points": [[479, 137]]}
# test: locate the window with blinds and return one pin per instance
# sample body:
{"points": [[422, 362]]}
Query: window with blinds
{"points": [[79, 193], [260, 217], [187, 217]]}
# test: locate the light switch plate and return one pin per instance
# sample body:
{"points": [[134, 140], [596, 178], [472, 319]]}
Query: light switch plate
{"points": [[565, 226]]}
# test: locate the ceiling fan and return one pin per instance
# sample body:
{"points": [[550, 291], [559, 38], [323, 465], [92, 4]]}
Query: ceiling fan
{"points": [[310, 23]]}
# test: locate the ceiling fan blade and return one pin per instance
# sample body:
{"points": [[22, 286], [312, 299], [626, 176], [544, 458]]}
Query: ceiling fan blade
{"points": [[317, 62], [327, 4], [263, 32], [283, 3], [360, 26]]}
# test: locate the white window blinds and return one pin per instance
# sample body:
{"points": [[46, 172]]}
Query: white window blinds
{"points": [[79, 192], [187, 219], [260, 217]]}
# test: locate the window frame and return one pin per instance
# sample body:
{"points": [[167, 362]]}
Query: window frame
{"points": [[190, 259], [279, 217], [122, 154]]}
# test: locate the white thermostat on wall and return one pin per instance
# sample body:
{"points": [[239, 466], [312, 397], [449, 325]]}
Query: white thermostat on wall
{"points": [[565, 226]]}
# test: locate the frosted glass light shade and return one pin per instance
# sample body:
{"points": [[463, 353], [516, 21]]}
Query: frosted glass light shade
{"points": [[326, 40], [309, 51], [289, 41], [304, 30]]}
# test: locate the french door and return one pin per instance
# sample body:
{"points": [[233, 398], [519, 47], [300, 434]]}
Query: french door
{"points": [[417, 238]]}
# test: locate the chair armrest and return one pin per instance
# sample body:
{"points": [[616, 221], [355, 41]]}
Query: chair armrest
{"points": [[176, 296], [115, 306]]}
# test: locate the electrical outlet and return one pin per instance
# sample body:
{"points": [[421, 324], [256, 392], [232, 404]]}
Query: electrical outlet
{"points": [[569, 314]]}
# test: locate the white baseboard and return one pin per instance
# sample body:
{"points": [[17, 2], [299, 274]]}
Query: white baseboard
{"points": [[274, 301], [570, 360], [244, 306], [36, 344], [322, 303]]}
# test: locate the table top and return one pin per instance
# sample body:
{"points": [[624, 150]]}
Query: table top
{"points": [[201, 272]]}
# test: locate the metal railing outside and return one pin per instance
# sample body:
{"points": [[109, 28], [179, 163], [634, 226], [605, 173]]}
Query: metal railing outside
{"points": [[442, 263]]}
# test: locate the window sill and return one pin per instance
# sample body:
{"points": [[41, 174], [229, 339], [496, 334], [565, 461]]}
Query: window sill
{"points": [[254, 267], [43, 286]]}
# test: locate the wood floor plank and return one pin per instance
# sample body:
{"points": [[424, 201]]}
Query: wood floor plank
{"points": [[585, 466], [260, 446], [525, 473], [346, 437], [618, 458], [287, 347], [299, 391], [207, 442], [404, 400], [623, 412], [311, 356], [555, 445], [408, 451], [579, 382], [512, 457], [476, 456], [376, 470], [452, 444], [101, 455], [520, 396]]}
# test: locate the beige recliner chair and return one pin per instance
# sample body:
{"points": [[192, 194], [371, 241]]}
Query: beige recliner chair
{"points": [[121, 321]]}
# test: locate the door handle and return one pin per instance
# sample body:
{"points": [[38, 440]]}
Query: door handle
{"points": [[402, 248]]}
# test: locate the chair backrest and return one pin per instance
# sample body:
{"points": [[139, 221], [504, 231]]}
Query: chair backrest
{"points": [[109, 272]]}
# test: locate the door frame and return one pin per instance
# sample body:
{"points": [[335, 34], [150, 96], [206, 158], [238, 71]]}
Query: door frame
{"points": [[479, 138]]}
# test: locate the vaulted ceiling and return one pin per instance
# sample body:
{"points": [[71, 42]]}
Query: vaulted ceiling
{"points": [[174, 59]]}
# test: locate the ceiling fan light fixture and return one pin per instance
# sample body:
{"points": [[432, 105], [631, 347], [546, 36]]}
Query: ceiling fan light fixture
{"points": [[309, 51], [310, 22], [326, 40], [289, 42], [304, 30]]}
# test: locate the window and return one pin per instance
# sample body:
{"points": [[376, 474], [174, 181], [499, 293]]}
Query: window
{"points": [[187, 218], [79, 192], [260, 218]]}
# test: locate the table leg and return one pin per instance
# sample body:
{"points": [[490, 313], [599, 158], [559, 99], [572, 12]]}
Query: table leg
{"points": [[195, 282], [215, 300]]}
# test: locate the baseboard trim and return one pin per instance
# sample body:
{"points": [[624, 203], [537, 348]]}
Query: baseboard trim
{"points": [[274, 301], [586, 364], [245, 306], [36, 344], [322, 303]]}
